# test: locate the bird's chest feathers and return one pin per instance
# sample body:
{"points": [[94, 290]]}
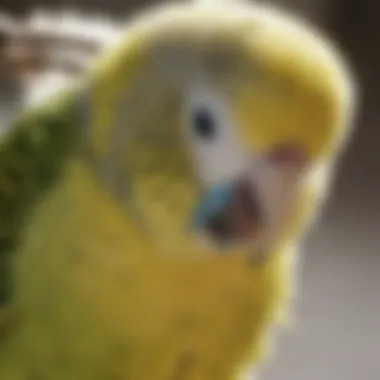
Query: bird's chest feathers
{"points": [[185, 319], [99, 298]]}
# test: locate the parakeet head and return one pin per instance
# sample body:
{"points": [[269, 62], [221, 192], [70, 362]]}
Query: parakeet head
{"points": [[213, 119]]}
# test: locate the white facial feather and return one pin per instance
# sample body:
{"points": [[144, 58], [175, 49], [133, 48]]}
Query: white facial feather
{"points": [[220, 158]]}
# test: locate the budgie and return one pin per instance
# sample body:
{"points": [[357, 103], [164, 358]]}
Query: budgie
{"points": [[151, 212]]}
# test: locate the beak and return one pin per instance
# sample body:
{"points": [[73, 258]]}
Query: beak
{"points": [[210, 204], [229, 212], [237, 211]]}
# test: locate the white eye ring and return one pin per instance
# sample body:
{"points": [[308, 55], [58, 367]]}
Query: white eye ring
{"points": [[214, 140]]}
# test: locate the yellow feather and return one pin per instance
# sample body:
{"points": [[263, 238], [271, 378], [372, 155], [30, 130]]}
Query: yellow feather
{"points": [[101, 296], [105, 303]]}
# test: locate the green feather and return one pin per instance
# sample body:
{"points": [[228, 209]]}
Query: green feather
{"points": [[32, 155]]}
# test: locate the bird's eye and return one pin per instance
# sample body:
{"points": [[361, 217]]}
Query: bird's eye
{"points": [[212, 136], [204, 124]]}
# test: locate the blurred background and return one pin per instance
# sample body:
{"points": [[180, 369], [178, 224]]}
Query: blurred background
{"points": [[337, 331]]}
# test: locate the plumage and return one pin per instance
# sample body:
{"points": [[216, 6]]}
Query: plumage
{"points": [[105, 278]]}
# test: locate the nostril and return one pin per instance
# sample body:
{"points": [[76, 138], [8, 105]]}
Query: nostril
{"points": [[289, 154]]}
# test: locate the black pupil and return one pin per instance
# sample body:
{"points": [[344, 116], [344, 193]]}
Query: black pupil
{"points": [[204, 124]]}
